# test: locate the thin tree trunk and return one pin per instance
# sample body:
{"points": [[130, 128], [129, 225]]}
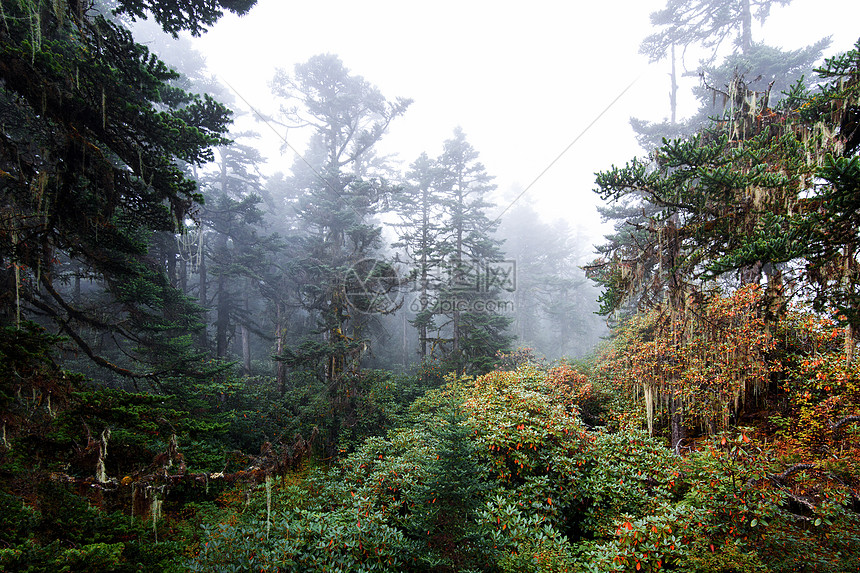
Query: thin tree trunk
{"points": [[676, 312], [425, 244], [203, 285], [676, 413], [673, 93], [280, 367], [246, 333], [455, 344], [404, 347], [746, 26], [183, 275], [222, 321], [170, 253], [847, 267]]}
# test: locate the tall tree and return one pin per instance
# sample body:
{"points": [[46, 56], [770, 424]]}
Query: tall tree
{"points": [[710, 25], [234, 249], [337, 198], [419, 206], [92, 134], [759, 196], [472, 259]]}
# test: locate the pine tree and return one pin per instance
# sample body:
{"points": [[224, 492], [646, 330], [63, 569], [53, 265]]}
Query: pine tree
{"points": [[418, 204], [338, 194], [473, 262], [93, 136], [235, 250], [449, 500], [711, 24]]}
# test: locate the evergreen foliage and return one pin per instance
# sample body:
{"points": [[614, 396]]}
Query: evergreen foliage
{"points": [[710, 24], [460, 270], [93, 133], [338, 190], [715, 430]]}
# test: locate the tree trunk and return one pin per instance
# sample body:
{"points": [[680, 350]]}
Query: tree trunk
{"points": [[170, 253], [677, 431], [746, 26], [280, 334], [425, 245], [677, 312], [424, 303], [222, 321], [404, 346], [847, 269], [673, 90], [183, 275], [455, 343], [203, 294], [246, 332]]}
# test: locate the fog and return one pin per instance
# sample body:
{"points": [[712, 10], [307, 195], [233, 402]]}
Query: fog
{"points": [[522, 81], [544, 97]]}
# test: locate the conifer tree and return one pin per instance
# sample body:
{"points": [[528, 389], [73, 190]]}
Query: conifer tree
{"points": [[712, 25], [92, 140], [337, 196], [766, 194], [235, 251], [471, 258], [449, 500], [419, 206]]}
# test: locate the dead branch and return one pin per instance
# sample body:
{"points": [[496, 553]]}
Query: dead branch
{"points": [[843, 421]]}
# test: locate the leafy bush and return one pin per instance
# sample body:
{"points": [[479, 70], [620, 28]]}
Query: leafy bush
{"points": [[66, 534]]}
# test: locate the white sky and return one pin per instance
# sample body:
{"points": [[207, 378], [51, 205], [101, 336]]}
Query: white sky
{"points": [[522, 79]]}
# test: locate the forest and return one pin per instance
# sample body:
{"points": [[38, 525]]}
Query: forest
{"points": [[352, 365]]}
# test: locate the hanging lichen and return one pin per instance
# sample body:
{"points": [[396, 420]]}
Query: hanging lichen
{"points": [[190, 246], [35, 18], [101, 473], [155, 511], [268, 504], [649, 407]]}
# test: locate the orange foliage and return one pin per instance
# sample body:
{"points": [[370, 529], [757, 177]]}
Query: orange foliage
{"points": [[713, 357]]}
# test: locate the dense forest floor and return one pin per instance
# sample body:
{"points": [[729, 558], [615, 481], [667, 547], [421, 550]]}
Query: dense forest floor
{"points": [[531, 467]]}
